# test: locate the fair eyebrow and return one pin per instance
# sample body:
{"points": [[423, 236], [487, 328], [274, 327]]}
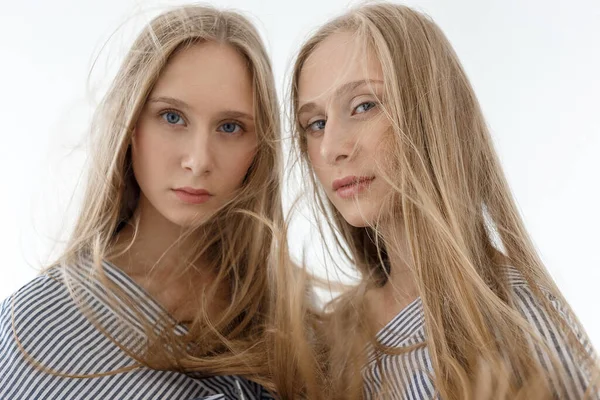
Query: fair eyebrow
{"points": [[231, 114], [234, 114], [169, 100], [340, 91]]}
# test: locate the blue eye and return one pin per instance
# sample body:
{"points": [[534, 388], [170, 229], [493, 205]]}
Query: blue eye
{"points": [[316, 126], [230, 128], [364, 107], [172, 118]]}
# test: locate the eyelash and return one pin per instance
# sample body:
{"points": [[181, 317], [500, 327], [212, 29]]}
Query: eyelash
{"points": [[239, 124], [169, 111], [307, 128], [373, 103], [241, 127]]}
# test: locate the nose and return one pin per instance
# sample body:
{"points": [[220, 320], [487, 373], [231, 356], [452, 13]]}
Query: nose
{"points": [[197, 152], [337, 143]]}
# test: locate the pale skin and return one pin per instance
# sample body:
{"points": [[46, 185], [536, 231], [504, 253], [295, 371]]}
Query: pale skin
{"points": [[340, 92], [196, 131]]}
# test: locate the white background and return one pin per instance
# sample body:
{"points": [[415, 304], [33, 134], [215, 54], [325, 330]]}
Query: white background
{"points": [[535, 65]]}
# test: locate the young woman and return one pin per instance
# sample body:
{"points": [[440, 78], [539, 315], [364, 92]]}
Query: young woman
{"points": [[169, 286], [408, 179]]}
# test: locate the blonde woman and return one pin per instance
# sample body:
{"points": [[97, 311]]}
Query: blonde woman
{"points": [[406, 175], [166, 287]]}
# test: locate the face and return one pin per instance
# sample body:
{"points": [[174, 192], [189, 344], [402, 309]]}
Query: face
{"points": [[339, 109], [195, 138]]}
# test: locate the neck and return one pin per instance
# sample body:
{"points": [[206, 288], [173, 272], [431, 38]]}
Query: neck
{"points": [[401, 288], [401, 267], [157, 245], [157, 257]]}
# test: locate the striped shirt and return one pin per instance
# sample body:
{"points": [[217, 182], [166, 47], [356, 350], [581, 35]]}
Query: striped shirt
{"points": [[408, 376], [53, 330]]}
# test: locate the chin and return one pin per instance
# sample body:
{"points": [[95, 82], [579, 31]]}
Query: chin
{"points": [[194, 221], [186, 220], [357, 219]]}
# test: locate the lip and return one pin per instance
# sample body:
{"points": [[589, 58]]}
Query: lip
{"points": [[192, 196], [350, 186]]}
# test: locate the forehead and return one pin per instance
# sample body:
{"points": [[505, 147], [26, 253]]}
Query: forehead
{"points": [[206, 71], [338, 59]]}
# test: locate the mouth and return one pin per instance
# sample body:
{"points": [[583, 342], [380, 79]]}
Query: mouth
{"points": [[351, 186], [192, 196]]}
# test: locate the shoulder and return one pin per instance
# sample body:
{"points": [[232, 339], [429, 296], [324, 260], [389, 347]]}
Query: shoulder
{"points": [[27, 324], [536, 304], [32, 309], [556, 326], [41, 324], [39, 296], [546, 310]]}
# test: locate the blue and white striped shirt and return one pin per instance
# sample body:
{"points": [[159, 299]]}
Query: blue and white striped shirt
{"points": [[408, 376], [53, 330]]}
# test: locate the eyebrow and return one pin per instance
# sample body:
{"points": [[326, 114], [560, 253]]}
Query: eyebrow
{"points": [[236, 115], [184, 106], [340, 91], [169, 100]]}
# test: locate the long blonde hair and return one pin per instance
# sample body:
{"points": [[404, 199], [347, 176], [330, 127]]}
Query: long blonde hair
{"points": [[457, 213], [243, 241]]}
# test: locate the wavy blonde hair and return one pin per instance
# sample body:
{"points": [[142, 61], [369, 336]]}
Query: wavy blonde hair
{"points": [[244, 241], [457, 213]]}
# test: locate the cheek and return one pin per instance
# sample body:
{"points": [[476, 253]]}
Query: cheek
{"points": [[388, 153], [144, 148], [314, 168], [376, 146], [235, 163], [319, 166], [313, 153], [150, 154], [376, 135], [312, 150]]}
